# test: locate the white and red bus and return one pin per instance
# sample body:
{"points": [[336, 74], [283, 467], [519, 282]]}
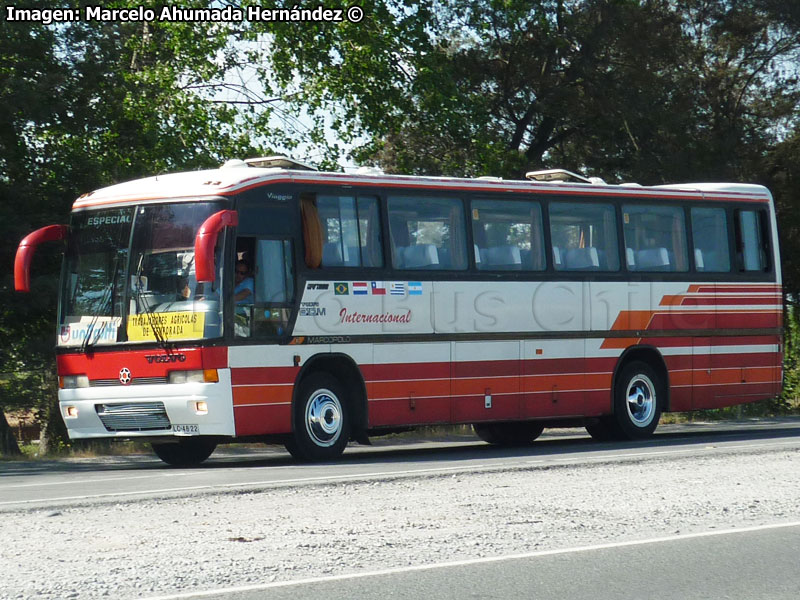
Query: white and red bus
{"points": [[378, 302]]}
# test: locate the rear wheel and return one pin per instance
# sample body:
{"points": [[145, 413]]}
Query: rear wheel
{"points": [[186, 452], [508, 434], [603, 429], [321, 422]]}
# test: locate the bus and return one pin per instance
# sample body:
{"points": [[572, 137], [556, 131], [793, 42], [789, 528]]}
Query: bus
{"points": [[376, 303]]}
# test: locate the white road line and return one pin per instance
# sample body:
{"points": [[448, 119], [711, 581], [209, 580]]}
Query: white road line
{"points": [[244, 484], [473, 561], [96, 480]]}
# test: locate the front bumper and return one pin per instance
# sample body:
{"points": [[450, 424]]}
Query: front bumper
{"points": [[134, 411]]}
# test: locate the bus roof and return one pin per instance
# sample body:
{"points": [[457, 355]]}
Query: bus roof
{"points": [[238, 176]]}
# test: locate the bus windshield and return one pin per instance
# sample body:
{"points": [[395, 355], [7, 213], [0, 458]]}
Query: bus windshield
{"points": [[130, 276]]}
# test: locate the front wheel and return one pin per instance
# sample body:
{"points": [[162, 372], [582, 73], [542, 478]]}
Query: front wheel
{"points": [[186, 452], [321, 422], [508, 434], [638, 399]]}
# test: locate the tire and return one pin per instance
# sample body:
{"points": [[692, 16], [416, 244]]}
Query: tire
{"points": [[638, 400], [518, 433], [185, 453], [321, 420], [603, 430]]}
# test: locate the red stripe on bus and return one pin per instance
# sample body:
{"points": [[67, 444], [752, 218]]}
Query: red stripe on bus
{"points": [[141, 363], [735, 287], [731, 300], [261, 375], [263, 394], [262, 420], [215, 357], [689, 342], [400, 371]]}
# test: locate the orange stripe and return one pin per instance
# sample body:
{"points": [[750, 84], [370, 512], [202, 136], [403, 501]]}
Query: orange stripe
{"points": [[262, 394], [619, 343], [671, 300], [632, 319], [751, 375], [680, 378]]}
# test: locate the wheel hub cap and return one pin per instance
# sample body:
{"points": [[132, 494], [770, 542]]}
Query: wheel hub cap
{"points": [[324, 418], [641, 400]]}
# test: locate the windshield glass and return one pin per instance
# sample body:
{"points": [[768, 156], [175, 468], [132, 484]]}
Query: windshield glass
{"points": [[135, 266]]}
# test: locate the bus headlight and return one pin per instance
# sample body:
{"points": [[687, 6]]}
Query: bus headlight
{"points": [[198, 376], [69, 382]]}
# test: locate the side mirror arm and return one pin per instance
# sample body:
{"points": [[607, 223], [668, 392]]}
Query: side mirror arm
{"points": [[206, 240], [27, 248]]}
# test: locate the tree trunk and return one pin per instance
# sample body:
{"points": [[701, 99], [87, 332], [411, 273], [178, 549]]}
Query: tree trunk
{"points": [[8, 443], [53, 436]]}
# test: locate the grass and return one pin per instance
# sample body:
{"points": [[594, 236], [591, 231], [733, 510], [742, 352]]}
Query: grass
{"points": [[81, 449]]}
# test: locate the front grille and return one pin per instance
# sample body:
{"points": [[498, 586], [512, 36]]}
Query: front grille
{"points": [[134, 381], [143, 416]]}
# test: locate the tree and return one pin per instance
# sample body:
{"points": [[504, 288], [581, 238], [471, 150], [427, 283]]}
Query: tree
{"points": [[87, 105], [654, 90]]}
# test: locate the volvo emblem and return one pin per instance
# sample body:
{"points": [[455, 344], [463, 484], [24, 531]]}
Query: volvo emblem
{"points": [[124, 375]]}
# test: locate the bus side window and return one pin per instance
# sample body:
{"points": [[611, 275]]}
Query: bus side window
{"points": [[584, 237], [508, 235], [427, 233], [266, 314], [349, 231], [655, 238], [752, 246], [273, 269], [710, 233], [274, 283]]}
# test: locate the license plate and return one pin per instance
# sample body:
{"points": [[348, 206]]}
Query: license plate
{"points": [[186, 428]]}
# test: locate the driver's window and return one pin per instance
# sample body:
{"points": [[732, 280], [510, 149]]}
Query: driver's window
{"points": [[264, 287]]}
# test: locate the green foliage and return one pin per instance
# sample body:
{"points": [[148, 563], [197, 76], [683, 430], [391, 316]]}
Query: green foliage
{"points": [[790, 398], [654, 91]]}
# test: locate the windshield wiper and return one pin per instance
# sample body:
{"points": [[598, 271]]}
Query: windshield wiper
{"points": [[151, 317], [108, 296]]}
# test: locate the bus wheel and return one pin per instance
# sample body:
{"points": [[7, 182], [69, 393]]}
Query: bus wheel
{"points": [[321, 423], [638, 397], [508, 434], [603, 430], [186, 452]]}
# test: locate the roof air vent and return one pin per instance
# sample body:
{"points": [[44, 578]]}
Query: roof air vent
{"points": [[561, 176], [369, 170], [278, 162], [233, 163]]}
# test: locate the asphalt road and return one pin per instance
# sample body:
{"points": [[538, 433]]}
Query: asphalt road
{"points": [[737, 558], [748, 564], [103, 479]]}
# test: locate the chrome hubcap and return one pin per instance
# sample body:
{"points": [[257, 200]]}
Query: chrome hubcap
{"points": [[641, 400], [324, 418]]}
